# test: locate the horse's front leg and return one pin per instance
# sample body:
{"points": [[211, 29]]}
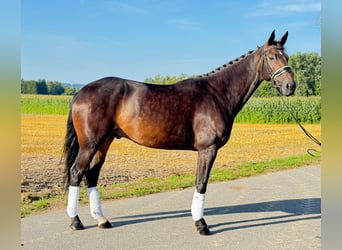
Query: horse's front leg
{"points": [[205, 162]]}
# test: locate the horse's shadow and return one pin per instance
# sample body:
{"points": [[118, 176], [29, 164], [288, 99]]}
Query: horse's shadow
{"points": [[294, 210]]}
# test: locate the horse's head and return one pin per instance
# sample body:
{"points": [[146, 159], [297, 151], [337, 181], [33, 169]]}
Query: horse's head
{"points": [[274, 65]]}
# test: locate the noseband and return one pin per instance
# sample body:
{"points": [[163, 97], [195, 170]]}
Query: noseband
{"points": [[278, 72]]}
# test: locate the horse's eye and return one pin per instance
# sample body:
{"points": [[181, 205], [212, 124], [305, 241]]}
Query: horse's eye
{"points": [[272, 58]]}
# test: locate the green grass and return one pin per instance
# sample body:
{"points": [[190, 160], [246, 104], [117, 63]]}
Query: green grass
{"points": [[256, 168], [45, 104], [150, 185]]}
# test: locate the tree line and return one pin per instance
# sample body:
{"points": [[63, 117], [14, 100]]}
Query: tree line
{"points": [[306, 66], [43, 87]]}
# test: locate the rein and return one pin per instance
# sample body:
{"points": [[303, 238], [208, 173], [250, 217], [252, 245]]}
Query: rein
{"points": [[273, 76], [307, 133]]}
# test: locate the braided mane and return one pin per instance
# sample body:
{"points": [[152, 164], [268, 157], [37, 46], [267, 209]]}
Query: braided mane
{"points": [[226, 65]]}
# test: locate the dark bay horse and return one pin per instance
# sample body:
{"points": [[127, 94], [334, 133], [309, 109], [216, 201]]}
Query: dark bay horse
{"points": [[193, 114]]}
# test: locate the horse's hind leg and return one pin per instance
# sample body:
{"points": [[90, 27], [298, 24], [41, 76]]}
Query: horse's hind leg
{"points": [[76, 174], [92, 176]]}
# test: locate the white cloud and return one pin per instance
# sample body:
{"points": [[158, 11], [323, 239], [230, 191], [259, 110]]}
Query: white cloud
{"points": [[278, 8], [303, 7], [115, 6], [184, 24]]}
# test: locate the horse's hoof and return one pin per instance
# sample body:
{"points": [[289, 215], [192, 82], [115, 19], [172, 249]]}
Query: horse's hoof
{"points": [[76, 223], [202, 227], [104, 225]]}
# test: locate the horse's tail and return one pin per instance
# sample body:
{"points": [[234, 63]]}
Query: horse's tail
{"points": [[71, 148]]}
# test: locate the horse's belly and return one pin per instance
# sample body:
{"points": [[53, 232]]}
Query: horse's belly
{"points": [[164, 135]]}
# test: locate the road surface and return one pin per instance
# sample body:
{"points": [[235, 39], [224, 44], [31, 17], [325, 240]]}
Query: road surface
{"points": [[274, 211]]}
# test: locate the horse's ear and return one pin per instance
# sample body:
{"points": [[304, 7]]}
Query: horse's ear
{"points": [[271, 39], [282, 41]]}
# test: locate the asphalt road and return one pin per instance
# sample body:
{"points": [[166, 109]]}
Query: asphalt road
{"points": [[274, 211]]}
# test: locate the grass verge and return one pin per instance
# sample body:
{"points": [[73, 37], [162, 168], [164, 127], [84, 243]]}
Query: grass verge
{"points": [[150, 185]]}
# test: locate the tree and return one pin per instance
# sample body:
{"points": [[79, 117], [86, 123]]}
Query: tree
{"points": [[28, 87], [69, 90], [34, 87], [307, 69], [55, 88], [41, 87], [165, 79]]}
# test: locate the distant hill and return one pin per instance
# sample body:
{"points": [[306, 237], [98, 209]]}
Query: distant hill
{"points": [[73, 85]]}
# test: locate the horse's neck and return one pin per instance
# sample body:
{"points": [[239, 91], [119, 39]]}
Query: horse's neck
{"points": [[237, 83]]}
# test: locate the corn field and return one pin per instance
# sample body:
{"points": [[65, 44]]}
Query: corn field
{"points": [[273, 110]]}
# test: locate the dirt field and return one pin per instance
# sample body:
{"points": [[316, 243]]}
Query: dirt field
{"points": [[43, 136]]}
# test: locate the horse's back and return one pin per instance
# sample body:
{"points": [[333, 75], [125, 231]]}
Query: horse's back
{"points": [[100, 88]]}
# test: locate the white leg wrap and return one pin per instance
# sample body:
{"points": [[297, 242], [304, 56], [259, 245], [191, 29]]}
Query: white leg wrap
{"points": [[73, 196], [94, 203], [197, 208]]}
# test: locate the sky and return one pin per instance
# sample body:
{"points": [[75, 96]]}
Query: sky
{"points": [[79, 41]]}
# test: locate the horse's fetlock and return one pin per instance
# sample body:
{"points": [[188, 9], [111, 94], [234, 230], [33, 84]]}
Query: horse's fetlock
{"points": [[202, 227], [76, 223]]}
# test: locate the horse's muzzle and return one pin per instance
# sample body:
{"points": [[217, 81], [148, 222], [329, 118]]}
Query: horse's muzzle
{"points": [[288, 88]]}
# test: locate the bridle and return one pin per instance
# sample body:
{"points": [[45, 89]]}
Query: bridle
{"points": [[276, 73]]}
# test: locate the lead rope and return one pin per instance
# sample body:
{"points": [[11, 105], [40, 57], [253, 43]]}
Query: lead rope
{"points": [[277, 73], [307, 133]]}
